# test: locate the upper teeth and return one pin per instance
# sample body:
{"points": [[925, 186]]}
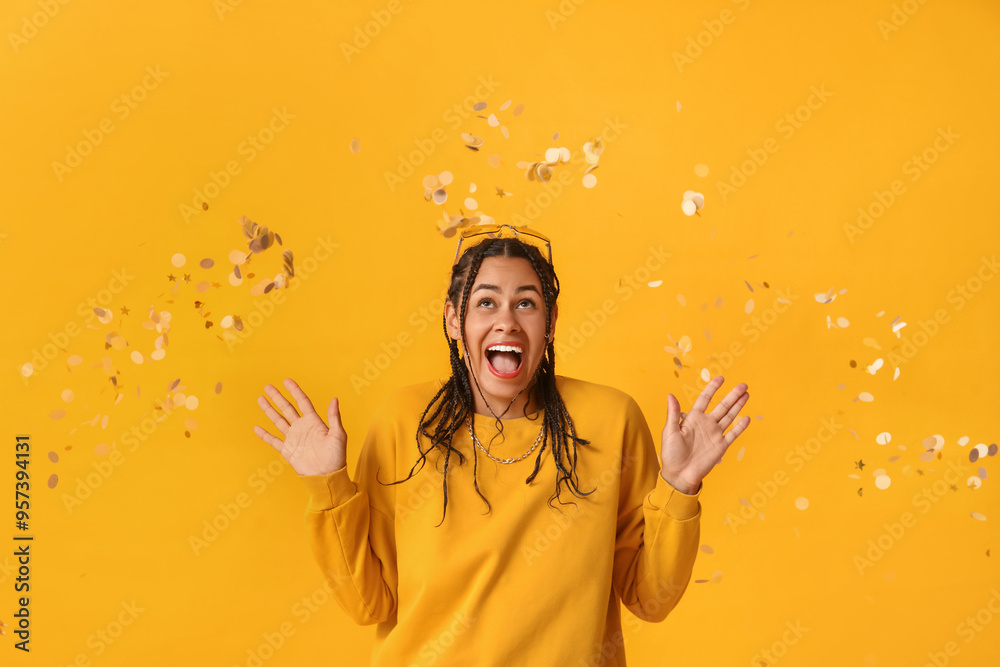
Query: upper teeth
{"points": [[506, 348]]}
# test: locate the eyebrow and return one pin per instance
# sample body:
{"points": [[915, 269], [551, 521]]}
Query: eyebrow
{"points": [[494, 288]]}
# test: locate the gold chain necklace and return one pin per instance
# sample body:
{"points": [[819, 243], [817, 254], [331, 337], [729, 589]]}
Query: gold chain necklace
{"points": [[472, 433]]}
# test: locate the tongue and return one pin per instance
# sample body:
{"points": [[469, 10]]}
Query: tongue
{"points": [[505, 362]]}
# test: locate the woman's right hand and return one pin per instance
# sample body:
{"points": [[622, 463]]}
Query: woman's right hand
{"points": [[309, 446]]}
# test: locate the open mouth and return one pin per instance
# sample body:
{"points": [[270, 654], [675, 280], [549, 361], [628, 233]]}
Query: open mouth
{"points": [[504, 360]]}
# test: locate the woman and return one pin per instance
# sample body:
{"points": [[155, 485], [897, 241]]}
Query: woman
{"points": [[479, 564]]}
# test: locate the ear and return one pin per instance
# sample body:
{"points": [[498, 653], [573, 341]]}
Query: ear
{"points": [[451, 318]]}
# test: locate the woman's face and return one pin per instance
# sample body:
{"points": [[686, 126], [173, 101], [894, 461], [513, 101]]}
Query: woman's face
{"points": [[506, 308]]}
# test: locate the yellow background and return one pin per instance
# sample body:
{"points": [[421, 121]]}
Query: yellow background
{"points": [[577, 67]]}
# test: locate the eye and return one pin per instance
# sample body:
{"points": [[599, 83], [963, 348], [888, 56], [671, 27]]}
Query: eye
{"points": [[484, 300], [527, 301]]}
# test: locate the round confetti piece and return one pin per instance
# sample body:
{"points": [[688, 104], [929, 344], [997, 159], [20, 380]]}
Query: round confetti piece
{"points": [[207, 263], [842, 322], [801, 503], [963, 441], [179, 398], [589, 180], [191, 424], [218, 387], [982, 472], [878, 472], [883, 438], [701, 170], [27, 370], [136, 356], [655, 283], [178, 260], [53, 457], [977, 516], [748, 308], [866, 397], [494, 160], [707, 549], [237, 257], [688, 207], [705, 375], [58, 413], [156, 355], [203, 286], [102, 449], [992, 450], [191, 402], [719, 302], [104, 421], [446, 177], [355, 146], [67, 395], [974, 482], [883, 481], [681, 300], [234, 280], [927, 456], [934, 442], [74, 360], [53, 480], [471, 204]]}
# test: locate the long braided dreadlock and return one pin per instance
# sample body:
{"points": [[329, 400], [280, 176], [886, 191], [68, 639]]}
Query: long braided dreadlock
{"points": [[456, 399]]}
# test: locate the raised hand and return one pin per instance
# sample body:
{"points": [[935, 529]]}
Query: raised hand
{"points": [[309, 446], [694, 443]]}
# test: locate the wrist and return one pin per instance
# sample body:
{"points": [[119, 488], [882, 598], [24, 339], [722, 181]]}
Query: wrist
{"points": [[683, 487]]}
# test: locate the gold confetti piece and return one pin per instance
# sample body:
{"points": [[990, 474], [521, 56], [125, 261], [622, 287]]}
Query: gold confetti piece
{"points": [[59, 413], [471, 204], [974, 482], [104, 421], [218, 387], [191, 424], [739, 454], [479, 106], [237, 323], [882, 482], [179, 398], [191, 402], [871, 342], [678, 106], [102, 449], [981, 472], [875, 366], [589, 181], [67, 395], [355, 146], [927, 456], [826, 297], [842, 322], [655, 283], [207, 263], [963, 441], [933, 442], [27, 370], [681, 300], [53, 480], [705, 375], [701, 170], [896, 374], [883, 438], [977, 516], [203, 286], [748, 308], [707, 549], [156, 355], [518, 109], [136, 356], [802, 503], [178, 260], [866, 397], [718, 302], [53, 457], [717, 576]]}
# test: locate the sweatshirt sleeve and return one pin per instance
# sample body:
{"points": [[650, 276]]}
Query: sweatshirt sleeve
{"points": [[351, 528], [658, 528]]}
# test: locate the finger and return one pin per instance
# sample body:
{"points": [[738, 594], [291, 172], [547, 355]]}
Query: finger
{"points": [[279, 421], [727, 401], [705, 397], [268, 438], [673, 414], [735, 433], [279, 399], [730, 416], [305, 405], [333, 412]]}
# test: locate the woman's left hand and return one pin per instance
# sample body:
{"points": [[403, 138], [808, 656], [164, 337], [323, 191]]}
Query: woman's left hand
{"points": [[691, 447]]}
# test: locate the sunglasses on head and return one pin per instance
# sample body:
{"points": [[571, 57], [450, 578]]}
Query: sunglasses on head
{"points": [[473, 236]]}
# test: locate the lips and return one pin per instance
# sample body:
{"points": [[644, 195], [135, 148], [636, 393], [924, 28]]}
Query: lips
{"points": [[505, 363]]}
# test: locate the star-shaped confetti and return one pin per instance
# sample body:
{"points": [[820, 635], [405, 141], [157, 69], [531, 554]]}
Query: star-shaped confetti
{"points": [[860, 464], [124, 310], [171, 278]]}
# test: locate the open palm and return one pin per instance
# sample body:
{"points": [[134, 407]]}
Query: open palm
{"points": [[694, 443], [310, 446]]}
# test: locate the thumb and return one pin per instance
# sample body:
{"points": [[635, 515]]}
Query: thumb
{"points": [[333, 413], [673, 414]]}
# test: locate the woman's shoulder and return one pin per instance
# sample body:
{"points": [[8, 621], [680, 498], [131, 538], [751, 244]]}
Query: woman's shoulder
{"points": [[574, 390], [407, 398]]}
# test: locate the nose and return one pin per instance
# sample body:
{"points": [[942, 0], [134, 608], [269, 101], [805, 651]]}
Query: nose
{"points": [[506, 320]]}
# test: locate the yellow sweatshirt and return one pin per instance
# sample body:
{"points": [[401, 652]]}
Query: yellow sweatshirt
{"points": [[522, 584]]}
